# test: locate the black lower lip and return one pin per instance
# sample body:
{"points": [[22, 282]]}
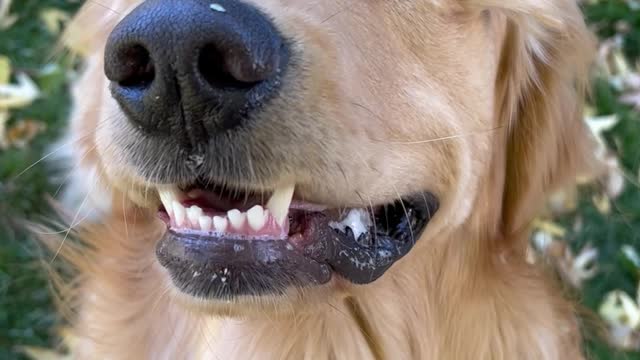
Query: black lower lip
{"points": [[220, 268]]}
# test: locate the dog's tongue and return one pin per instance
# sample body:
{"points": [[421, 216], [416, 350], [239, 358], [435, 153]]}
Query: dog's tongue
{"points": [[361, 261]]}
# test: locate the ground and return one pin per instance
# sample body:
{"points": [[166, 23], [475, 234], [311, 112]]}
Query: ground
{"points": [[605, 221]]}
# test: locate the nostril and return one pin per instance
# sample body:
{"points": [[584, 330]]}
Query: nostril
{"points": [[183, 68], [212, 65], [135, 68]]}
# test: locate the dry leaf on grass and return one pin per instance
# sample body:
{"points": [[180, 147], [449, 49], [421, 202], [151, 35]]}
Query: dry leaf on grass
{"points": [[574, 269], [21, 134], [622, 315], [6, 20], [614, 179], [622, 75], [602, 203], [18, 95], [4, 118], [547, 226], [563, 201], [37, 353], [54, 19], [5, 70], [69, 341], [630, 259], [5, 75], [598, 125]]}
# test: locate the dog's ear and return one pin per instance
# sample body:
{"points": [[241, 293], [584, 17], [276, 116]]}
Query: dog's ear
{"points": [[543, 73]]}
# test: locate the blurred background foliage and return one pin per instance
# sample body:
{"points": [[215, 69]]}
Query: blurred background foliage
{"points": [[590, 233]]}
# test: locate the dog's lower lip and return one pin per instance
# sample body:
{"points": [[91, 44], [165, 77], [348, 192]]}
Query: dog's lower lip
{"points": [[317, 244]]}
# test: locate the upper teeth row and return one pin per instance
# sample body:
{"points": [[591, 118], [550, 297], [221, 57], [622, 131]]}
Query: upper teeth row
{"points": [[256, 217]]}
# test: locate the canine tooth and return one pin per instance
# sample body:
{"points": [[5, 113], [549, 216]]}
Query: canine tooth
{"points": [[358, 220], [279, 203], [220, 223], [168, 194], [237, 218], [179, 213], [194, 213], [256, 217], [206, 223]]}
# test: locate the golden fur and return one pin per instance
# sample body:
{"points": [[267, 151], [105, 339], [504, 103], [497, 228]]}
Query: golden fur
{"points": [[478, 100]]}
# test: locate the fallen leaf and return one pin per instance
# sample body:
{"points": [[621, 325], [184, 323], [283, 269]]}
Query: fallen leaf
{"points": [[598, 125], [619, 64], [4, 117], [541, 240], [563, 201], [632, 99], [614, 180], [21, 134], [68, 340], [573, 269], [54, 19], [37, 353], [550, 227], [604, 59], [18, 95], [5, 70], [622, 314], [630, 260], [602, 203], [6, 20], [633, 4], [581, 267]]}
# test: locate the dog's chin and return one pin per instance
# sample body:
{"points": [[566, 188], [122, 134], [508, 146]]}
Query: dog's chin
{"points": [[223, 247]]}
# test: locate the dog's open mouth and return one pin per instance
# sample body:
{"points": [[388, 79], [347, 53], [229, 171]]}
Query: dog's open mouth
{"points": [[223, 242]]}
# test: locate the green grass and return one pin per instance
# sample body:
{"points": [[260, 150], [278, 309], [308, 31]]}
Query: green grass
{"points": [[26, 312]]}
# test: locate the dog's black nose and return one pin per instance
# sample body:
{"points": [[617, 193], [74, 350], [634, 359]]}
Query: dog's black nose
{"points": [[193, 67]]}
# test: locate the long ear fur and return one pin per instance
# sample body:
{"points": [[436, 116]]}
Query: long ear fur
{"points": [[95, 20], [541, 84]]}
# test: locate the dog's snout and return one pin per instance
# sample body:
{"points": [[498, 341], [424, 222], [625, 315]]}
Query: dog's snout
{"points": [[193, 66]]}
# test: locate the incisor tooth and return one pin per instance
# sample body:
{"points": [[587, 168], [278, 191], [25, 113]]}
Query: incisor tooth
{"points": [[206, 223], [194, 213], [256, 217], [279, 203], [220, 223], [179, 213], [236, 218]]}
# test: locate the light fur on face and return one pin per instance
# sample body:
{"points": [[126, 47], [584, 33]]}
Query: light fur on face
{"points": [[478, 101]]}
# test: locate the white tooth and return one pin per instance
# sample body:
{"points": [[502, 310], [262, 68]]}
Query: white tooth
{"points": [[168, 194], [167, 202], [206, 223], [279, 203], [358, 220], [220, 223], [179, 213], [256, 217], [194, 213], [237, 218]]}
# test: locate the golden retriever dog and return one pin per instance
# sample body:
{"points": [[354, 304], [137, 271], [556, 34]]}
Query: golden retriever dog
{"points": [[321, 179]]}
